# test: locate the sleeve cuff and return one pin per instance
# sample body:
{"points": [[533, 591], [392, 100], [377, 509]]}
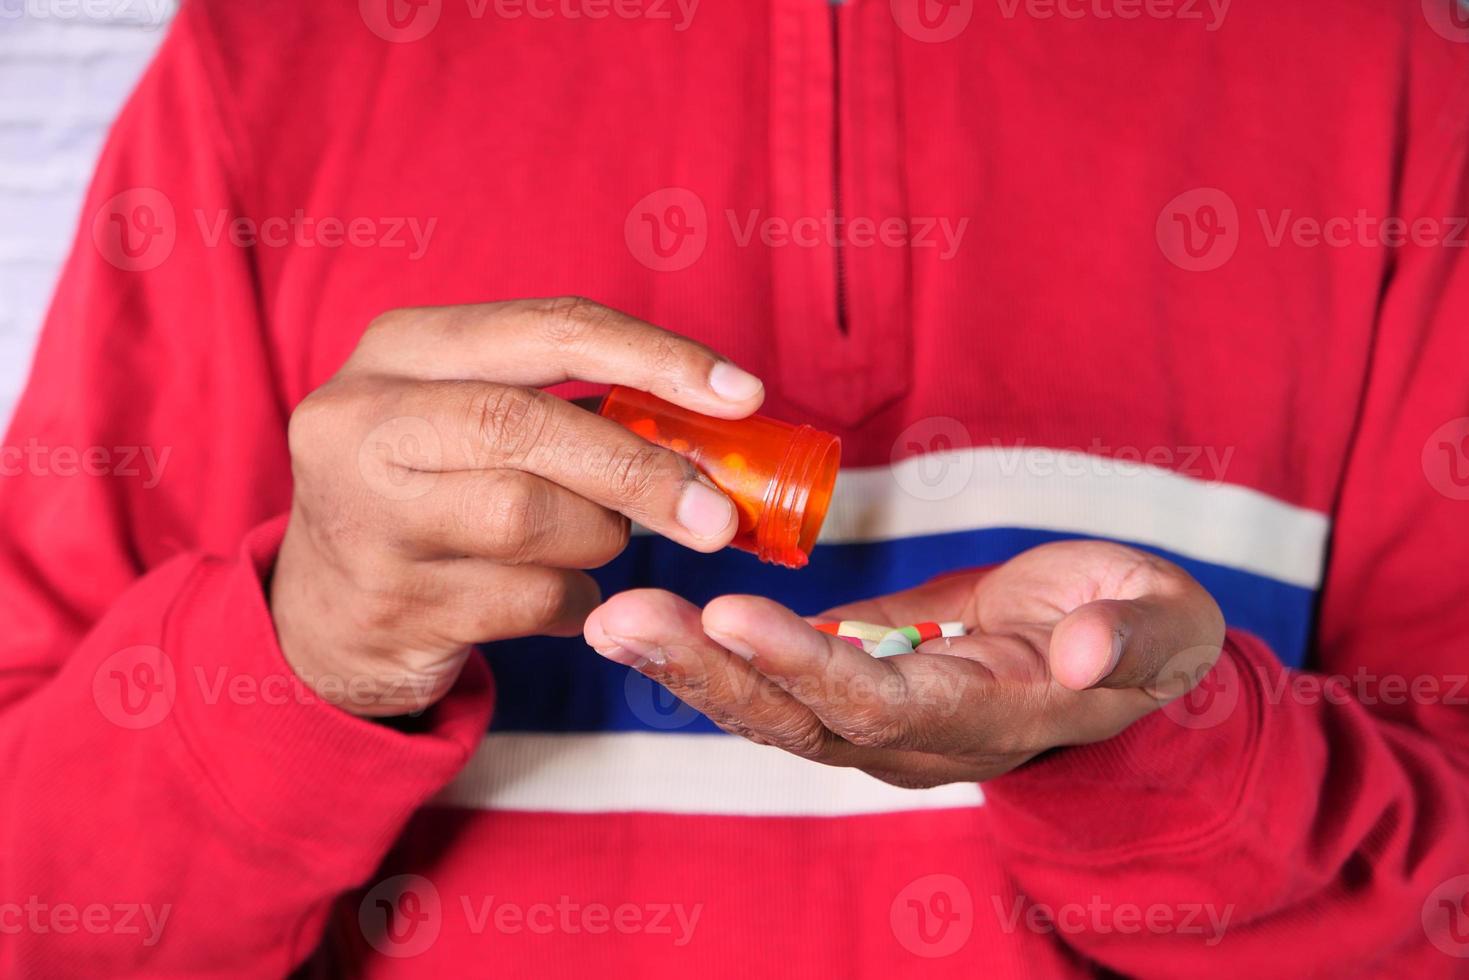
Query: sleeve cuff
{"points": [[291, 765], [1171, 780]]}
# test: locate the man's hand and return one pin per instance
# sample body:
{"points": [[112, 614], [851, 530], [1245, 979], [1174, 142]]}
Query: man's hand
{"points": [[442, 501], [1071, 643]]}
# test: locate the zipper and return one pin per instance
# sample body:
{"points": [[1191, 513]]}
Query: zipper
{"points": [[838, 252]]}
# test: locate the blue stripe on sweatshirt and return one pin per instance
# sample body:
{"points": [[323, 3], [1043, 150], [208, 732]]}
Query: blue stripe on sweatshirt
{"points": [[559, 685]]}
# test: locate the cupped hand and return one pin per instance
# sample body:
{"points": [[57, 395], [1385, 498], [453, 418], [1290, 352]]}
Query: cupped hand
{"points": [[1069, 643], [442, 500]]}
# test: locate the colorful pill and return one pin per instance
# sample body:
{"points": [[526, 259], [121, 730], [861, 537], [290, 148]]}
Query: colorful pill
{"points": [[895, 643], [867, 631]]}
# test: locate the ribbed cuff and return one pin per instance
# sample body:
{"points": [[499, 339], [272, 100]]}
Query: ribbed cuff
{"points": [[1171, 780], [291, 765]]}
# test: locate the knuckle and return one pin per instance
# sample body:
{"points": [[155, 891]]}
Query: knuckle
{"points": [[809, 740], [570, 320], [387, 320], [549, 600], [314, 422], [617, 541], [634, 474], [509, 419], [517, 519], [664, 353], [379, 333], [694, 689], [377, 579], [909, 780], [873, 732]]}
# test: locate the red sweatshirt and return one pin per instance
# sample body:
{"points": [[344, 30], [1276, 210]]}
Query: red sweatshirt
{"points": [[1192, 277]]}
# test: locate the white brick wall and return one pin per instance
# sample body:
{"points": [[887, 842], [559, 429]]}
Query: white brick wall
{"points": [[65, 68]]}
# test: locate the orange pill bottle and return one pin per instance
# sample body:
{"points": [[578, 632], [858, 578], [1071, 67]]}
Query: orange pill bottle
{"points": [[780, 476]]}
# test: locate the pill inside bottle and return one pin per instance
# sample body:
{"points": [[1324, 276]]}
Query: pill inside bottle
{"points": [[780, 476]]}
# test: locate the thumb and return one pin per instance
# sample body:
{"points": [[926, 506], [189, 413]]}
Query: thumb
{"points": [[1163, 643]]}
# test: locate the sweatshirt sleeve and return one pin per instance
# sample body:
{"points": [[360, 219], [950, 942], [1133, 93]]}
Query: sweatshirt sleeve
{"points": [[1286, 823], [174, 801]]}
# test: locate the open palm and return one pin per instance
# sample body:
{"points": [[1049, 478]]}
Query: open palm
{"points": [[1069, 643]]}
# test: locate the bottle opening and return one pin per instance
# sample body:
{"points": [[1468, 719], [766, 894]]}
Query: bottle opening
{"points": [[798, 497]]}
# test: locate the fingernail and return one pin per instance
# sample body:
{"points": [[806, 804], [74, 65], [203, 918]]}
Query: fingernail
{"points": [[619, 655], [733, 644], [1119, 641], [633, 653], [732, 383], [703, 511]]}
